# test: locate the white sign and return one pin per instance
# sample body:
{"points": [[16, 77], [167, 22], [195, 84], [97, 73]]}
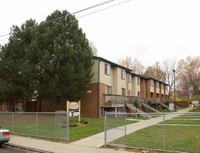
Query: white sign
{"points": [[73, 105]]}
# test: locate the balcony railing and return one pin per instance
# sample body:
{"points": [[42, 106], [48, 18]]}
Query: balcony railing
{"points": [[119, 100]]}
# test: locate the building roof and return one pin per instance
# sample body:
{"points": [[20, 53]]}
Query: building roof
{"points": [[111, 63], [127, 69]]}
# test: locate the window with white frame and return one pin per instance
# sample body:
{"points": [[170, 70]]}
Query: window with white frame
{"points": [[129, 78], [157, 84], [122, 74], [123, 91], [152, 83], [107, 69], [138, 81], [166, 87], [109, 89]]}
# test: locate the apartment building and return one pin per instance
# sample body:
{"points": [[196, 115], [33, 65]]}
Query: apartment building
{"points": [[113, 85]]}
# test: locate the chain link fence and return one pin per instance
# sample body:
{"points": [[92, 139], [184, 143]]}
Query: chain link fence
{"points": [[47, 125], [169, 132]]}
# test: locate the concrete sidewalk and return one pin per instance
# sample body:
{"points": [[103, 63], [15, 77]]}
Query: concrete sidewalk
{"points": [[90, 144], [55, 147]]}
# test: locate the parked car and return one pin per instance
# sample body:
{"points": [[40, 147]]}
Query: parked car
{"points": [[4, 136]]}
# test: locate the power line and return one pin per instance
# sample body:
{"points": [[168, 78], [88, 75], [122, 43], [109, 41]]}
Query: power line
{"points": [[65, 16], [103, 9]]}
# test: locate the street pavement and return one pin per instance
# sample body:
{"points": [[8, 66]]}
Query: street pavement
{"points": [[90, 144], [8, 149]]}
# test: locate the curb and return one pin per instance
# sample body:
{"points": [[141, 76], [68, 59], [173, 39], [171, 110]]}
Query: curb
{"points": [[26, 148]]}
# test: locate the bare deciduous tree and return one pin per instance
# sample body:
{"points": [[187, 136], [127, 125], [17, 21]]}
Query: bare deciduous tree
{"points": [[156, 71], [168, 66], [188, 75], [94, 48], [133, 64]]}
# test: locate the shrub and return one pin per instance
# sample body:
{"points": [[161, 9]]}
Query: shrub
{"points": [[136, 103], [149, 102]]}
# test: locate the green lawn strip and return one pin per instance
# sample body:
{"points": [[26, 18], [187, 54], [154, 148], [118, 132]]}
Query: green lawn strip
{"points": [[177, 138], [196, 122], [187, 117], [164, 110], [155, 115]]}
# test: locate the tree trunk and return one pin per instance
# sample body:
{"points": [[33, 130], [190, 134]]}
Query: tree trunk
{"points": [[13, 105], [39, 103]]}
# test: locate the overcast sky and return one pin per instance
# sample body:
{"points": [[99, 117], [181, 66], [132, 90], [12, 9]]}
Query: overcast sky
{"points": [[150, 30]]}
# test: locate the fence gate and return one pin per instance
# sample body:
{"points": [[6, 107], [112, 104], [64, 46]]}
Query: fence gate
{"points": [[115, 127]]}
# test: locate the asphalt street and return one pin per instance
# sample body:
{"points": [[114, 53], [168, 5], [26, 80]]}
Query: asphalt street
{"points": [[8, 149]]}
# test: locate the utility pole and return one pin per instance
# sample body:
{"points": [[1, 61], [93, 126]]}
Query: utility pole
{"points": [[174, 71]]}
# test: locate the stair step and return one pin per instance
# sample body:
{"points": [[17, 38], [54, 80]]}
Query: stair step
{"points": [[136, 110], [149, 107]]}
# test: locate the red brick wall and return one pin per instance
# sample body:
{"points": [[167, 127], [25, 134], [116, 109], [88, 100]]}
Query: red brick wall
{"points": [[148, 89], [142, 88], [89, 103]]}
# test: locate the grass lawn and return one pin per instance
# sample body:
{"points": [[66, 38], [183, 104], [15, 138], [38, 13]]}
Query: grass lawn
{"points": [[177, 139]]}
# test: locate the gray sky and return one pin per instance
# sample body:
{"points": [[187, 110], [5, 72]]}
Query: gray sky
{"points": [[150, 30]]}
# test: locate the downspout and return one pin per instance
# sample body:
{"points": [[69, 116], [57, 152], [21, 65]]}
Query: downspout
{"points": [[98, 89], [146, 91]]}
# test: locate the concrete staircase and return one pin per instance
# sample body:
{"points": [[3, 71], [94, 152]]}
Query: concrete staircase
{"points": [[136, 110], [149, 107], [165, 106]]}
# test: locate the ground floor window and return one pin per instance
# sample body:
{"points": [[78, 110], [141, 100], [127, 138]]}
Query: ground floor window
{"points": [[111, 109]]}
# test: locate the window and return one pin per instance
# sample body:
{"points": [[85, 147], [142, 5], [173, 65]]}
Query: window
{"points": [[120, 109], [129, 78], [162, 86], [123, 74], [138, 81], [129, 92], [109, 90], [166, 88], [157, 84], [151, 83], [107, 69], [123, 91]]}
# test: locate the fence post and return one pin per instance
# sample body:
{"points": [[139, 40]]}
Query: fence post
{"points": [[68, 122], [105, 129], [12, 122], [36, 123], [55, 124], [163, 131], [125, 130]]}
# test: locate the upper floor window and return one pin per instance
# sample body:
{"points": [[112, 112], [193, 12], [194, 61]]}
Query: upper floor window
{"points": [[162, 86], [123, 74], [129, 78], [166, 88], [109, 89], [138, 81], [157, 84], [152, 83], [123, 91], [107, 69]]}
